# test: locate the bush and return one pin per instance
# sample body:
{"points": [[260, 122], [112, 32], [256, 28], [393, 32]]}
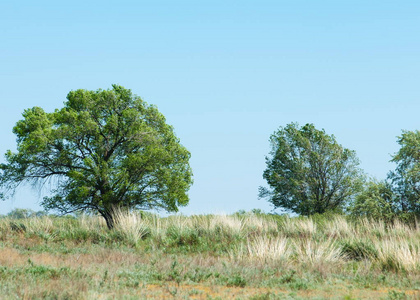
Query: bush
{"points": [[359, 250]]}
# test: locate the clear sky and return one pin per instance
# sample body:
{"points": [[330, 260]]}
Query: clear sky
{"points": [[226, 74]]}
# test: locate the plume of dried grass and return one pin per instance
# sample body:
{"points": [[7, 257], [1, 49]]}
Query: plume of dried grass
{"points": [[339, 227], [130, 225], [398, 254], [267, 249], [315, 252], [38, 225], [299, 227], [91, 223], [157, 227], [260, 225], [179, 222], [399, 229], [231, 225], [370, 227]]}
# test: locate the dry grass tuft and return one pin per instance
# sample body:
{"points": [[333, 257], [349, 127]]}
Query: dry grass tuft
{"points": [[315, 252], [373, 228], [228, 224], [339, 227], [254, 223], [294, 227], [39, 225], [398, 254], [131, 226], [265, 249], [91, 223]]}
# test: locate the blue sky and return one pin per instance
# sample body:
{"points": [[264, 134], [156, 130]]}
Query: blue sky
{"points": [[226, 74]]}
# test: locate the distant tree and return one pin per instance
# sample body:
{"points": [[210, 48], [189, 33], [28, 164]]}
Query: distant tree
{"points": [[21, 213], [308, 172], [40, 213], [376, 201], [406, 177], [398, 196], [106, 150]]}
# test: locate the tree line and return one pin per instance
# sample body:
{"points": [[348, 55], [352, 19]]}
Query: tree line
{"points": [[308, 172], [108, 150]]}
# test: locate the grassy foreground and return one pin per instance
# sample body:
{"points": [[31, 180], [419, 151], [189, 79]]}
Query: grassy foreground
{"points": [[208, 257]]}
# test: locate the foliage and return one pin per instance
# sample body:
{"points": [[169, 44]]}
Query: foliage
{"points": [[105, 150], [398, 196], [376, 201], [359, 250], [22, 213], [309, 172], [406, 177]]}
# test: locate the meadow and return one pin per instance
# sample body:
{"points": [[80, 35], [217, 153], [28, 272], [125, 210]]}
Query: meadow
{"points": [[239, 256]]}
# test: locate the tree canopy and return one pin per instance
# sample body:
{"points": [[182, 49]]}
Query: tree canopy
{"points": [[406, 177], [399, 195], [308, 172], [376, 201], [104, 150]]}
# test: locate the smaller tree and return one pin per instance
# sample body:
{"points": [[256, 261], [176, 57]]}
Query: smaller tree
{"points": [[377, 201], [21, 213], [309, 172], [399, 196], [406, 177]]}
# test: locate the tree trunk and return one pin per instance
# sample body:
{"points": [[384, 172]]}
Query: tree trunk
{"points": [[109, 218]]}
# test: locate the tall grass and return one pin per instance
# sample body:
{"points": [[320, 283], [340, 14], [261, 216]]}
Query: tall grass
{"points": [[398, 254], [130, 226], [248, 237], [147, 255], [298, 227], [318, 252], [268, 249], [339, 227], [228, 225]]}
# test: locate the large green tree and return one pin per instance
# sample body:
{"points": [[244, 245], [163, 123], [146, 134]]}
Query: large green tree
{"points": [[308, 172], [104, 150]]}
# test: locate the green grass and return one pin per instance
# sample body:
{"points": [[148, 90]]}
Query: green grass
{"points": [[242, 256]]}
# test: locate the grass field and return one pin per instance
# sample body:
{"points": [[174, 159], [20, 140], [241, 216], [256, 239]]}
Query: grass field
{"points": [[242, 256]]}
